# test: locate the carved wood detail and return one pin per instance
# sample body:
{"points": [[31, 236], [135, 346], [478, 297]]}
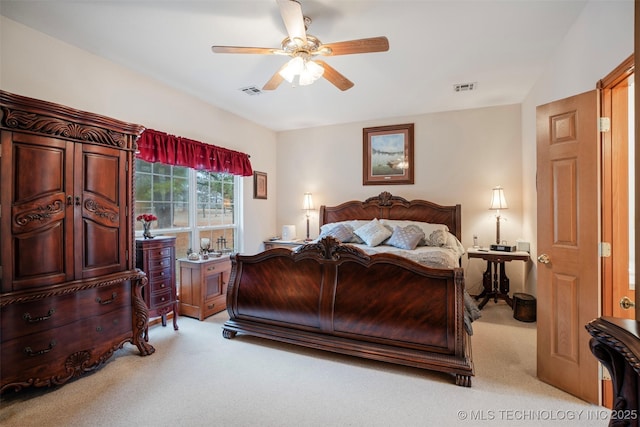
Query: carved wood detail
{"points": [[43, 124]]}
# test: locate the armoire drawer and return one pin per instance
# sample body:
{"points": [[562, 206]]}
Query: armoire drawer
{"points": [[30, 317], [52, 347]]}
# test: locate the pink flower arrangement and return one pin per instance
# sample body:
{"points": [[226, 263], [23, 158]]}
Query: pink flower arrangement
{"points": [[146, 218]]}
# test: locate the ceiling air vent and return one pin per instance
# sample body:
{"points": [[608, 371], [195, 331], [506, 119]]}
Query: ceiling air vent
{"points": [[465, 87], [251, 90]]}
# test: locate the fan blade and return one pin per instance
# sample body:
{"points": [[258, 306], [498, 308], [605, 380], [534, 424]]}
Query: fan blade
{"points": [[374, 44], [275, 80], [240, 49], [291, 12], [337, 79]]}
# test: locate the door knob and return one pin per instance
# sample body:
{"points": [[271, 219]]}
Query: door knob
{"points": [[626, 303], [544, 259]]}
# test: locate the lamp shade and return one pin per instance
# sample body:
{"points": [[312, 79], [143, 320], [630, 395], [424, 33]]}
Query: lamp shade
{"points": [[498, 200], [307, 71], [307, 202]]}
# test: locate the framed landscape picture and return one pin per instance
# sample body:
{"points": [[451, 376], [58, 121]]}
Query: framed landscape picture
{"points": [[387, 155], [259, 185]]}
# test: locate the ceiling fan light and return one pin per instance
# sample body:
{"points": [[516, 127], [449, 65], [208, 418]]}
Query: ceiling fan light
{"points": [[315, 69], [292, 69], [312, 72]]}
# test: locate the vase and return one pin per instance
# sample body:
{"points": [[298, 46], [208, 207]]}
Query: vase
{"points": [[147, 230]]}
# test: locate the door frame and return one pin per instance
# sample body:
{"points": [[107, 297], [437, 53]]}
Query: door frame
{"points": [[610, 167]]}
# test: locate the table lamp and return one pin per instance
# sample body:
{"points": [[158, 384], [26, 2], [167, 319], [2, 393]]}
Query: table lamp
{"points": [[307, 205], [498, 202]]}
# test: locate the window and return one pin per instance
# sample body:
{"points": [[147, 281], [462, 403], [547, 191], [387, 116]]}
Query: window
{"points": [[216, 209], [190, 205]]}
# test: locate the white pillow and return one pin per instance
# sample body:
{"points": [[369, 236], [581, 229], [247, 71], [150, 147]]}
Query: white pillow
{"points": [[373, 233]]}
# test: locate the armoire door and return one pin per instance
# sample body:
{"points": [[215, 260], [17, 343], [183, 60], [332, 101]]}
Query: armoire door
{"points": [[101, 243], [37, 211]]}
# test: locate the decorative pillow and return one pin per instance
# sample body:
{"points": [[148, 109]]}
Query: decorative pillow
{"points": [[406, 237], [445, 239], [341, 232], [426, 227], [353, 224], [437, 238], [373, 233]]}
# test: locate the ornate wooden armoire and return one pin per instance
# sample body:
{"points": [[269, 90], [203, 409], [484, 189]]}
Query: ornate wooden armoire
{"points": [[70, 295]]}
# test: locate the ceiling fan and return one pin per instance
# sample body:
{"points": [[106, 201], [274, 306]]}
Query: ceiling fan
{"points": [[303, 48]]}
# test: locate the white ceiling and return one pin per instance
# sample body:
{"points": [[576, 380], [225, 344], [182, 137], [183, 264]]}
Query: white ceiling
{"points": [[500, 45]]}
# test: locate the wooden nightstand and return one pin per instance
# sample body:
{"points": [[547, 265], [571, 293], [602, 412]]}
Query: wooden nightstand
{"points": [[289, 244], [203, 286], [157, 258], [494, 279]]}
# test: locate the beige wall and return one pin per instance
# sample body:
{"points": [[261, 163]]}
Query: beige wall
{"points": [[36, 65], [459, 157]]}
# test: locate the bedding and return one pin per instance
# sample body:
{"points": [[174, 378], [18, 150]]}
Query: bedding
{"points": [[439, 248]]}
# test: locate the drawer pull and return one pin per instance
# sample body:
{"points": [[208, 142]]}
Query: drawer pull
{"points": [[162, 273], [32, 353], [27, 317], [109, 301], [211, 268], [210, 306], [162, 286]]}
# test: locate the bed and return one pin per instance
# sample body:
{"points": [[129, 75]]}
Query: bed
{"points": [[335, 296]]}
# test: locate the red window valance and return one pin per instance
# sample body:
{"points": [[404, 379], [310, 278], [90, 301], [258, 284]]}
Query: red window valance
{"points": [[154, 146]]}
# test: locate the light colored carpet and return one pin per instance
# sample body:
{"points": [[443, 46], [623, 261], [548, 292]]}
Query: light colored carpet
{"points": [[198, 378]]}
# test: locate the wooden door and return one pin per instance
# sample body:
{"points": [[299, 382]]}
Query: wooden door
{"points": [[568, 268], [37, 211], [101, 242]]}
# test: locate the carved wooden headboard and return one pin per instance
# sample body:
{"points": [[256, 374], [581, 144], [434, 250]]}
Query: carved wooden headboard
{"points": [[394, 207]]}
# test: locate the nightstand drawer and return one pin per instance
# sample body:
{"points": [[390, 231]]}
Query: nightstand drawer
{"points": [[158, 253], [159, 275], [215, 268], [160, 263], [161, 298]]}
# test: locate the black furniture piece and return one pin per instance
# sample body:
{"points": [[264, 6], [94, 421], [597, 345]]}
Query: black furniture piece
{"points": [[616, 344]]}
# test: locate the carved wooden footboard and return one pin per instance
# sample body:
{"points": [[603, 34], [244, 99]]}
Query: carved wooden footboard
{"points": [[335, 297]]}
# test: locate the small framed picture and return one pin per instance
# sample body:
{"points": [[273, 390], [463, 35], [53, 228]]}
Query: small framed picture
{"points": [[387, 156], [259, 185]]}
